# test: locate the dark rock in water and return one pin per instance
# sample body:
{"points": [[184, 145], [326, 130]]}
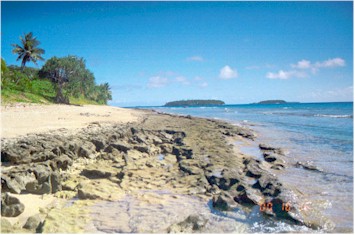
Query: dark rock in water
{"points": [[223, 182], [254, 170], [269, 157], [308, 166], [247, 196], [224, 202], [268, 185], [265, 147], [280, 209], [243, 199], [33, 222], [278, 167], [246, 133], [11, 206]]}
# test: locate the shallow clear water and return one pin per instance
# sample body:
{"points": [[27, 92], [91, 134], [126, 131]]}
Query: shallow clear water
{"points": [[318, 132]]}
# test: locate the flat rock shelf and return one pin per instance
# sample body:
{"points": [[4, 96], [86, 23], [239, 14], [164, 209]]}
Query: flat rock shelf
{"points": [[164, 173]]}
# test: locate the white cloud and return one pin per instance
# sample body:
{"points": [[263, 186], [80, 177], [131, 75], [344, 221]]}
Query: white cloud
{"points": [[336, 62], [286, 74], [227, 73], [195, 58], [157, 81], [198, 78], [303, 64], [182, 80], [302, 68], [203, 84], [330, 63]]}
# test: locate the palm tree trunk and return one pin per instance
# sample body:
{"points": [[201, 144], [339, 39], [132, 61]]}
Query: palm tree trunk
{"points": [[23, 63]]}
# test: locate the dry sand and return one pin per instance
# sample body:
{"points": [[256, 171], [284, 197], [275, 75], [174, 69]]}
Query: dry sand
{"points": [[21, 119]]}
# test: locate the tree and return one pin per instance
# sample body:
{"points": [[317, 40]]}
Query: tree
{"points": [[71, 78], [59, 71], [3, 67], [103, 93], [29, 50]]}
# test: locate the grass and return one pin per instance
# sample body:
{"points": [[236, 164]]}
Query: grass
{"points": [[39, 91]]}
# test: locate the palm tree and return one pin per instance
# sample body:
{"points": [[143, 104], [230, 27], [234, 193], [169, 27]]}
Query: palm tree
{"points": [[29, 50]]}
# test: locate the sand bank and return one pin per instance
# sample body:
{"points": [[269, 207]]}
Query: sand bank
{"points": [[21, 119]]}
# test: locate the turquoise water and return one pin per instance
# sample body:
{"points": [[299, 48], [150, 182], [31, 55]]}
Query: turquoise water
{"points": [[321, 133]]}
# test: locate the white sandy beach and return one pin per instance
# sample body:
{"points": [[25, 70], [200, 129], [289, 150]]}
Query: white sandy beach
{"points": [[22, 119]]}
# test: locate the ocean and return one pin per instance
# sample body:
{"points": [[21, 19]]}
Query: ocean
{"points": [[318, 133]]}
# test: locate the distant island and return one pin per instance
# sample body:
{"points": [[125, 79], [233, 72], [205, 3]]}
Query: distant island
{"points": [[272, 102], [188, 103]]}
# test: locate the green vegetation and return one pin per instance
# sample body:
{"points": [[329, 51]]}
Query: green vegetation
{"points": [[194, 103], [24, 86], [29, 50], [71, 78], [60, 80]]}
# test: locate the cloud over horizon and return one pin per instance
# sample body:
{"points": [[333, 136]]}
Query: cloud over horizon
{"points": [[182, 80], [157, 82], [302, 67], [281, 74], [227, 73]]}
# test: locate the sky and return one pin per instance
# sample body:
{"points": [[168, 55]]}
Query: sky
{"points": [[155, 52]]}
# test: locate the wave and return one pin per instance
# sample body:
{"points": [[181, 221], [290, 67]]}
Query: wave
{"points": [[308, 115], [333, 116]]}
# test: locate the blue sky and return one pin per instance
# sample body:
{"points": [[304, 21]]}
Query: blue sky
{"points": [[154, 52]]}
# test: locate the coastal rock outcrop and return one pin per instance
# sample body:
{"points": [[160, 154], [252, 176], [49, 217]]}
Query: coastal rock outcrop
{"points": [[11, 206], [308, 166], [171, 157], [274, 156]]}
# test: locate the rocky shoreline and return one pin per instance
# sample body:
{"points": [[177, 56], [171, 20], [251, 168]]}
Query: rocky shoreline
{"points": [[157, 175]]}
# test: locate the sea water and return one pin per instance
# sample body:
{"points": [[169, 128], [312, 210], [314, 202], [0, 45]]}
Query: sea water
{"points": [[321, 133]]}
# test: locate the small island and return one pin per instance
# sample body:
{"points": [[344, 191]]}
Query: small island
{"points": [[272, 102], [189, 103]]}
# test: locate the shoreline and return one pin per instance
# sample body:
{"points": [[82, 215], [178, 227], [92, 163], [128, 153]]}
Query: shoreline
{"points": [[173, 158]]}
